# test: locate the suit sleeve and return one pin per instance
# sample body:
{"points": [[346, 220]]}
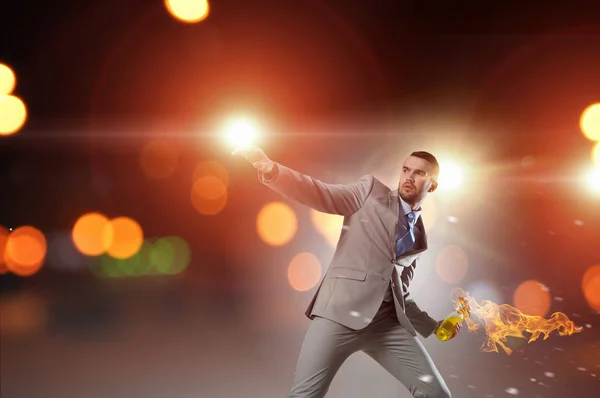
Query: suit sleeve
{"points": [[423, 323], [342, 199]]}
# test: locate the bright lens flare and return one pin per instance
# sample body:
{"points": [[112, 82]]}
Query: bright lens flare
{"points": [[501, 321], [451, 176], [241, 133], [593, 179], [188, 11]]}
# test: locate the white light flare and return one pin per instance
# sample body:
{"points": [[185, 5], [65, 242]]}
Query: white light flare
{"points": [[241, 132], [451, 176], [593, 179]]}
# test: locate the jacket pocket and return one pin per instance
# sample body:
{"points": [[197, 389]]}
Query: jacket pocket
{"points": [[347, 273]]}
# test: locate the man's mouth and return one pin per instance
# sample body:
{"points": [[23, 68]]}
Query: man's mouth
{"points": [[408, 186]]}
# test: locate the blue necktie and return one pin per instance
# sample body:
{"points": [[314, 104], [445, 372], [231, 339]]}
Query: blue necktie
{"points": [[404, 243]]}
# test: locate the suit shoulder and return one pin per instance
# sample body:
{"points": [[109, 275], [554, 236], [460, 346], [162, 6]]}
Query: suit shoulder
{"points": [[374, 186], [379, 186], [367, 178]]}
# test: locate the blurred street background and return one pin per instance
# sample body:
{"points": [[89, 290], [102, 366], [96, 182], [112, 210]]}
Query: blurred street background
{"points": [[139, 258]]}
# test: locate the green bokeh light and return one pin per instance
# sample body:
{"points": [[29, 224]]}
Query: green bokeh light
{"points": [[170, 255], [166, 256]]}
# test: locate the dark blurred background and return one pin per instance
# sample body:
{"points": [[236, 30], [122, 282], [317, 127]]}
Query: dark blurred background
{"points": [[127, 108]]}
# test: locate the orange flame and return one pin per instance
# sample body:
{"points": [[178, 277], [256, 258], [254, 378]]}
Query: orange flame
{"points": [[503, 321]]}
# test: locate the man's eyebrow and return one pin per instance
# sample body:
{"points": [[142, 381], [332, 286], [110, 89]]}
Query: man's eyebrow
{"points": [[409, 169]]}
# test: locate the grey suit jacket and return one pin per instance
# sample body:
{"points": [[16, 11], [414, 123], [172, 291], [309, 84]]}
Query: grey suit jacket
{"points": [[359, 274]]}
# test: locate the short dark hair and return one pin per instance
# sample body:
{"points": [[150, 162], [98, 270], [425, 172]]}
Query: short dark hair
{"points": [[430, 158]]}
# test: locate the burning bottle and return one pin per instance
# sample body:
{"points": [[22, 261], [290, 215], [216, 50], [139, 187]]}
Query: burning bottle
{"points": [[448, 326]]}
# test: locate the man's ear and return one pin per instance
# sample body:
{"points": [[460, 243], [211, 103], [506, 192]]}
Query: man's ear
{"points": [[434, 185]]}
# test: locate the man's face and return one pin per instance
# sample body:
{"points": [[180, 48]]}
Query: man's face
{"points": [[417, 179]]}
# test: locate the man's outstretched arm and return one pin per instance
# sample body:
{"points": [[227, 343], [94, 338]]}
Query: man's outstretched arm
{"points": [[342, 199]]}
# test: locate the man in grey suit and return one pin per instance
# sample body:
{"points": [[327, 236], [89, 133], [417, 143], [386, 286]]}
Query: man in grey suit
{"points": [[362, 303]]}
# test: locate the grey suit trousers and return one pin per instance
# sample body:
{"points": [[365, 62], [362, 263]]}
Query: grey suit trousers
{"points": [[328, 344]]}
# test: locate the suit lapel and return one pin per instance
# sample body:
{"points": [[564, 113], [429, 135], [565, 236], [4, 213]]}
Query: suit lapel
{"points": [[421, 244]]}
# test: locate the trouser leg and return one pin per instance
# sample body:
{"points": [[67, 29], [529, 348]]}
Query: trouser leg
{"points": [[326, 346], [403, 355]]}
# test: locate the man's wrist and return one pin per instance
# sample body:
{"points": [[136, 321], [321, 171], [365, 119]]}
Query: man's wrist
{"points": [[271, 172], [269, 167]]}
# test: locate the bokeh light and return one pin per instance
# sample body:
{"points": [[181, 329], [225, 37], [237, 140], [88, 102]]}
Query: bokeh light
{"points": [[209, 190], [105, 266], [136, 265], [210, 187], [590, 273], [211, 168], [92, 234], [328, 225], [276, 223], [304, 272], [164, 256], [159, 159], [592, 293], [590, 122], [532, 298], [7, 80], [170, 255], [452, 264], [209, 195], [188, 11], [139, 264], [3, 238], [13, 114], [591, 296], [25, 250], [127, 238]]}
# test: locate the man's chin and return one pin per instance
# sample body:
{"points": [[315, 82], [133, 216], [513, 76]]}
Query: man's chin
{"points": [[408, 197]]}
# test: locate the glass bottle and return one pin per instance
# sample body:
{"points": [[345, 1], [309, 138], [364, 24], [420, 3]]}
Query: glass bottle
{"points": [[446, 329]]}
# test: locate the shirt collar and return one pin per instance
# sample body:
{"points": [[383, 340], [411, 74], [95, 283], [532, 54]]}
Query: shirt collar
{"points": [[406, 209]]}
